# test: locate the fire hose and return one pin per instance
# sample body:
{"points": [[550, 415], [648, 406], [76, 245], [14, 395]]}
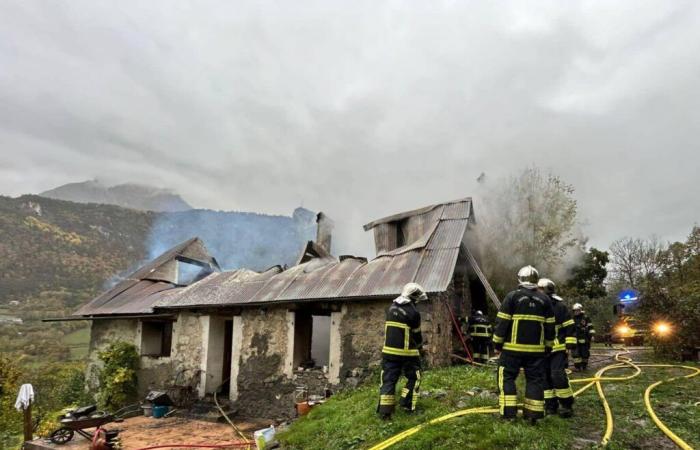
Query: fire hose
{"points": [[623, 362]]}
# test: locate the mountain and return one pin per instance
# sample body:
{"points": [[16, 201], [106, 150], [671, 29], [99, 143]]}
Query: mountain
{"points": [[135, 196], [56, 255]]}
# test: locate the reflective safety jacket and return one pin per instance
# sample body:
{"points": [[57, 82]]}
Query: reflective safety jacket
{"points": [[583, 327], [479, 326], [564, 334], [402, 335], [525, 323]]}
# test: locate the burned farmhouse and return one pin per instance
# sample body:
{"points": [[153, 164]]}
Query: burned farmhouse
{"points": [[256, 336]]}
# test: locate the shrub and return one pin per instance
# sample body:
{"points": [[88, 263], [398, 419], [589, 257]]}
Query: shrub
{"points": [[118, 382]]}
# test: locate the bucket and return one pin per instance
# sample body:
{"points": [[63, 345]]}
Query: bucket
{"points": [[303, 408], [160, 411], [147, 410]]}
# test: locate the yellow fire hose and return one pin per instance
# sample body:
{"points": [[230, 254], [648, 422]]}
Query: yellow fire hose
{"points": [[622, 362]]}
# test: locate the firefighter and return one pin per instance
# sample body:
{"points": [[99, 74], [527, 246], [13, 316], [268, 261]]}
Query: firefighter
{"points": [[584, 331], [401, 352], [557, 391], [524, 334], [481, 333]]}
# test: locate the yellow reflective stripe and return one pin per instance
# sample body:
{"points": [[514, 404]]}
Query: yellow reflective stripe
{"points": [[514, 331], [497, 339], [570, 340], [508, 401], [558, 347], [415, 330], [568, 323], [548, 393], [581, 341], [416, 387], [548, 343], [387, 400], [390, 323], [404, 392], [501, 395], [564, 393], [400, 351], [481, 334], [529, 317], [534, 405], [505, 316], [533, 348]]}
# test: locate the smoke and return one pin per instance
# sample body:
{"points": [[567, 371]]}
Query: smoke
{"points": [[236, 239], [528, 218]]}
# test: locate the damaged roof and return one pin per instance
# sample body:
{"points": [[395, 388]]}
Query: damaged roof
{"points": [[419, 246], [155, 281]]}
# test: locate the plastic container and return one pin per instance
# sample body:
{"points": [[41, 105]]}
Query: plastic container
{"points": [[160, 411], [264, 438], [147, 410]]}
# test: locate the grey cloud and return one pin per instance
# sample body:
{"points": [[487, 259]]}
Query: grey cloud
{"points": [[358, 108]]}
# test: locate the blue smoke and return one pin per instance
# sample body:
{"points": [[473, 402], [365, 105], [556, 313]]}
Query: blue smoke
{"points": [[236, 239]]}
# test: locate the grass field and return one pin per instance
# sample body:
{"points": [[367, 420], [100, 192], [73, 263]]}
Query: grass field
{"points": [[78, 342], [348, 420]]}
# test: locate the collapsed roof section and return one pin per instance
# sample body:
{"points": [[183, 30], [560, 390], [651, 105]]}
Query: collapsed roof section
{"points": [[419, 246], [430, 237], [154, 282]]}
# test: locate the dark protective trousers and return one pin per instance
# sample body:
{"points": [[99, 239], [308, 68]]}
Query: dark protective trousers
{"points": [[481, 345], [581, 354], [557, 390], [509, 365], [391, 371]]}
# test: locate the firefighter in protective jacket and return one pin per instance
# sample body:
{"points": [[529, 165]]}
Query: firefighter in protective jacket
{"points": [[584, 331], [401, 352], [557, 390], [481, 333], [524, 334]]}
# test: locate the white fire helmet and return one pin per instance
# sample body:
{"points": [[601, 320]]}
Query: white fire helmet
{"points": [[578, 307], [528, 275], [414, 291], [547, 286]]}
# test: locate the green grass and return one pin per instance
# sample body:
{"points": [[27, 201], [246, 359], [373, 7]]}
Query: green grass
{"points": [[348, 420], [78, 343]]}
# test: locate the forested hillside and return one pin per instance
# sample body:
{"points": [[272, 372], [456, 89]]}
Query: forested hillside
{"points": [[55, 255]]}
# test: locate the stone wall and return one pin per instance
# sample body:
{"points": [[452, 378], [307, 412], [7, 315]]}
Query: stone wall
{"points": [[362, 337], [263, 389], [185, 357], [154, 372]]}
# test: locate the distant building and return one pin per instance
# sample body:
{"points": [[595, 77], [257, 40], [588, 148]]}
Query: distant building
{"points": [[318, 323]]}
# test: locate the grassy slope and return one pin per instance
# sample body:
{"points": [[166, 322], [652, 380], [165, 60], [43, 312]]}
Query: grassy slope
{"points": [[78, 342], [348, 421]]}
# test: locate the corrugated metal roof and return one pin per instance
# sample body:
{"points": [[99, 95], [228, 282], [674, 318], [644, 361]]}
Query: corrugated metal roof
{"points": [[429, 260]]}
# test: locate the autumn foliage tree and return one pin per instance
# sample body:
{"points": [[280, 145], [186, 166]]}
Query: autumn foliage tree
{"points": [[529, 218]]}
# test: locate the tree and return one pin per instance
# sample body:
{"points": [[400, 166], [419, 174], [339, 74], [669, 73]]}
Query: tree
{"points": [[10, 419], [634, 259], [529, 218], [588, 277], [668, 279]]}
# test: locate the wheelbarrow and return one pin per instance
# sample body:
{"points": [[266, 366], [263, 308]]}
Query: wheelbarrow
{"points": [[80, 421]]}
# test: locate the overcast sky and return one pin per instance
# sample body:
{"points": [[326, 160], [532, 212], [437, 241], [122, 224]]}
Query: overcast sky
{"points": [[359, 109]]}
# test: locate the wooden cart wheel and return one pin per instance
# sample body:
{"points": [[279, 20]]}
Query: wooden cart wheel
{"points": [[61, 436]]}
